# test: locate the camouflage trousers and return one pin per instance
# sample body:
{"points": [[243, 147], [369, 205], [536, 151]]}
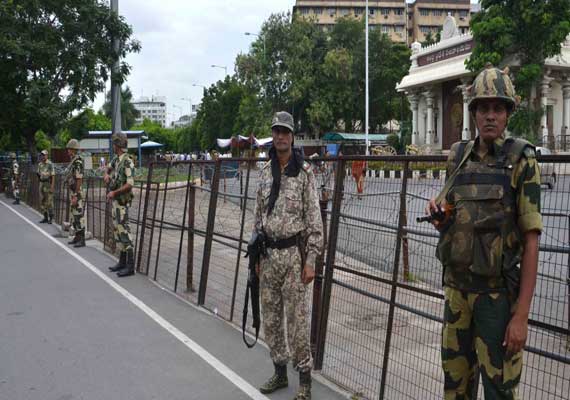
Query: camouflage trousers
{"points": [[121, 228], [473, 332], [284, 297], [77, 212], [46, 196], [15, 189]]}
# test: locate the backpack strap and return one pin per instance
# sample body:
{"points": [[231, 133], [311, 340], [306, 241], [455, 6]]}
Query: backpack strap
{"points": [[463, 152]]}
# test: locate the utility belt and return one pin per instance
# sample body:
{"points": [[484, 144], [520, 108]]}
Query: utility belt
{"points": [[283, 243]]}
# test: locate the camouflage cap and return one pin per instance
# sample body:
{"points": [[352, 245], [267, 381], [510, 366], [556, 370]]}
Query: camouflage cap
{"points": [[284, 119], [120, 139], [44, 152], [492, 83], [73, 144]]}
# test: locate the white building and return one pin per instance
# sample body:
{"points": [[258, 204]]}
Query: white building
{"points": [[153, 108], [437, 83]]}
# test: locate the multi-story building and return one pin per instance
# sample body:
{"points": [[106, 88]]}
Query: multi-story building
{"points": [[153, 108], [401, 21]]}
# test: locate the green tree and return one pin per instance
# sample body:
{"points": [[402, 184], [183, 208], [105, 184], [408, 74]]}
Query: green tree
{"points": [[55, 56], [521, 32], [129, 113], [86, 121], [156, 133], [188, 138]]}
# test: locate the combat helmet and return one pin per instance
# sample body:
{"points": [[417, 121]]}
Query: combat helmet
{"points": [[492, 83], [73, 144], [120, 139]]}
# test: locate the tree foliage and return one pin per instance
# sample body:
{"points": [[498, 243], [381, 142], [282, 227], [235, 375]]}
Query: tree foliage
{"points": [[55, 56]]}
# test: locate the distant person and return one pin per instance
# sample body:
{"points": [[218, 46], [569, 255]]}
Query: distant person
{"points": [[74, 179], [119, 178], [46, 176], [15, 178], [358, 173]]}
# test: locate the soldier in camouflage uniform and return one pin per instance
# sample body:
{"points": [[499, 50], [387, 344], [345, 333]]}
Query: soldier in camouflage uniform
{"points": [[120, 181], [287, 211], [494, 227], [15, 178], [74, 179], [46, 176]]}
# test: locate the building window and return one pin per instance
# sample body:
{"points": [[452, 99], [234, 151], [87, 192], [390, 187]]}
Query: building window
{"points": [[463, 13], [304, 11], [385, 11], [399, 11], [358, 11], [318, 11], [332, 11], [371, 11], [344, 11], [437, 13], [424, 12], [399, 28], [385, 29]]}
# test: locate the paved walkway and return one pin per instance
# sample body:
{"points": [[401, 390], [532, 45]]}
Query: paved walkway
{"points": [[71, 330]]}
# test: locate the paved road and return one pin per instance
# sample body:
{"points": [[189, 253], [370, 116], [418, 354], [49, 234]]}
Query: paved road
{"points": [[70, 330]]}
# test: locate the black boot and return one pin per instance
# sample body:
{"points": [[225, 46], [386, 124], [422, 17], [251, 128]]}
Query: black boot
{"points": [[50, 218], [43, 221], [129, 268], [75, 239], [81, 241], [121, 264], [304, 392], [277, 381], [16, 202]]}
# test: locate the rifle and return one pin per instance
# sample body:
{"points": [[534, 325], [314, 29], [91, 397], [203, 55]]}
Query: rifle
{"points": [[255, 249]]}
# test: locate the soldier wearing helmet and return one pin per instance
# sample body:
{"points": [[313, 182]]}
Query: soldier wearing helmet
{"points": [[15, 178], [119, 178], [493, 190], [46, 176], [287, 214], [74, 179]]}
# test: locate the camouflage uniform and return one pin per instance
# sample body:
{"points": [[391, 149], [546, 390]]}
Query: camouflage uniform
{"points": [[480, 250], [74, 172], [46, 173], [15, 180], [296, 211], [121, 172]]}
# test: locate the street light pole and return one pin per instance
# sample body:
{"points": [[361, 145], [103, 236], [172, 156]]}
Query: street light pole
{"points": [[115, 87], [367, 87], [259, 36], [221, 66]]}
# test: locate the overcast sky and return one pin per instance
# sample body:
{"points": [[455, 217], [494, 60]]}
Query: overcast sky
{"points": [[181, 39]]}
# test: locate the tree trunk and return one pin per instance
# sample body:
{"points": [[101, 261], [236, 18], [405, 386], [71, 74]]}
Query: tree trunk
{"points": [[30, 137]]}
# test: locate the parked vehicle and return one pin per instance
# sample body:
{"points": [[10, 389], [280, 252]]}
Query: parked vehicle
{"points": [[547, 173]]}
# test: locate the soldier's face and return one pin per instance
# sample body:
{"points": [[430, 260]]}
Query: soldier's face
{"points": [[282, 138], [491, 118]]}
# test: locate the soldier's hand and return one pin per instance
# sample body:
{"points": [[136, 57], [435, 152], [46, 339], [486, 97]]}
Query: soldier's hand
{"points": [[74, 201], [110, 195], [307, 275], [106, 178], [516, 334], [432, 207]]}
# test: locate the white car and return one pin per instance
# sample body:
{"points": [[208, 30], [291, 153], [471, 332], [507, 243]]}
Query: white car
{"points": [[547, 173]]}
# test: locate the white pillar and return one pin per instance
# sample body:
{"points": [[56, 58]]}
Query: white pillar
{"points": [[429, 128], [545, 91], [414, 100], [564, 139], [466, 132]]}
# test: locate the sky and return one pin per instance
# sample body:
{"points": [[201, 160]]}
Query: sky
{"points": [[180, 41]]}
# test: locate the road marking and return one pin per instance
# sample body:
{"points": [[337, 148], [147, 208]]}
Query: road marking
{"points": [[224, 370]]}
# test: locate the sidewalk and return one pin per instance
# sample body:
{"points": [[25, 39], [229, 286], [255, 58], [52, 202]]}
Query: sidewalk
{"points": [[72, 330]]}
